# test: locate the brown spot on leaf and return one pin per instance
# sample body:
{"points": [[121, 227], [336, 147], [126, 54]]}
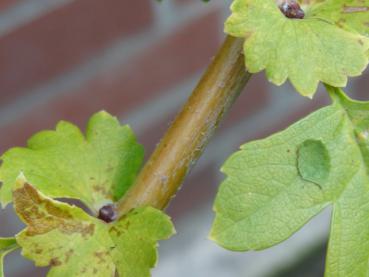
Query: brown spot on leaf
{"points": [[42, 215], [116, 231], [88, 231], [102, 190], [101, 256], [68, 254], [55, 262], [355, 9]]}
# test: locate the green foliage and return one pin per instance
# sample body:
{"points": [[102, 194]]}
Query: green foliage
{"points": [[274, 186], [7, 245], [76, 244], [328, 45], [348, 14], [96, 168]]}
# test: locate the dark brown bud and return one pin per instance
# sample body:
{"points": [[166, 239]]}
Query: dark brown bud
{"points": [[291, 9], [107, 213]]}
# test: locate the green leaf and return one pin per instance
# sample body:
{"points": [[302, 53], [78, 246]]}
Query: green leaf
{"points": [[76, 244], [276, 185], [348, 14], [305, 51], [97, 168], [7, 245]]}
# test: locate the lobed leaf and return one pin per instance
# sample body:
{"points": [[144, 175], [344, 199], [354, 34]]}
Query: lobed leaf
{"points": [[276, 185], [76, 244], [96, 168], [305, 51]]}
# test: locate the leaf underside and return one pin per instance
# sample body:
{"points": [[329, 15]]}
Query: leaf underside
{"points": [[324, 46], [97, 168], [276, 185], [75, 244]]}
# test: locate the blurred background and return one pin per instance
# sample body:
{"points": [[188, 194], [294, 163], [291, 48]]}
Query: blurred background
{"points": [[139, 60]]}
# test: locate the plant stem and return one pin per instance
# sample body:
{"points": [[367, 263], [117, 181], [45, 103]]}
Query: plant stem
{"points": [[188, 135]]}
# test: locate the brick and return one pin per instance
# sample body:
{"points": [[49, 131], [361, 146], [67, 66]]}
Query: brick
{"points": [[61, 39], [186, 2], [7, 3], [122, 89]]}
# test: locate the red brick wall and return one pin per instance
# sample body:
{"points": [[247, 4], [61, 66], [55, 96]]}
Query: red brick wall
{"points": [[138, 60]]}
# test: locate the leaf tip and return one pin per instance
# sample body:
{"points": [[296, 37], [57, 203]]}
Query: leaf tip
{"points": [[20, 181], [212, 235], [103, 113]]}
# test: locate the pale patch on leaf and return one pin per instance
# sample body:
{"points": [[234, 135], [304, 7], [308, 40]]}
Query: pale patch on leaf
{"points": [[76, 244], [7, 245], [276, 185], [313, 161], [96, 168], [305, 51]]}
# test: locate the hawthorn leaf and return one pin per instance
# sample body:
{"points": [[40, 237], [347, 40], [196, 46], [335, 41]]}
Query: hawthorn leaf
{"points": [[305, 51], [97, 168], [276, 185], [75, 244], [7, 245]]}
